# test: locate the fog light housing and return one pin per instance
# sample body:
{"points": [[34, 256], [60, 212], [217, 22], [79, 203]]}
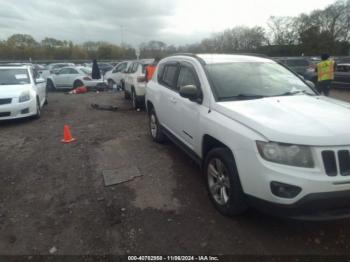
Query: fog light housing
{"points": [[284, 190], [25, 111]]}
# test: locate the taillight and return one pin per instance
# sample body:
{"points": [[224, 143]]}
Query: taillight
{"points": [[141, 79], [86, 78]]}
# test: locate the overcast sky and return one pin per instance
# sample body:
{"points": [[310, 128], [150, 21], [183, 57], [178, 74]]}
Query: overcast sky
{"points": [[135, 21]]}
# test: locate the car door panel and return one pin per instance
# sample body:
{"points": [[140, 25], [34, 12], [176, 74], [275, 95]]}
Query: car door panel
{"points": [[169, 97], [187, 111]]}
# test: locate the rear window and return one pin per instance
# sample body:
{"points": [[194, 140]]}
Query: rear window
{"points": [[86, 70], [297, 62], [14, 77]]}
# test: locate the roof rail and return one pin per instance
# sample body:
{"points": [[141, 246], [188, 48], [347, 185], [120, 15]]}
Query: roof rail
{"points": [[253, 54], [190, 55]]}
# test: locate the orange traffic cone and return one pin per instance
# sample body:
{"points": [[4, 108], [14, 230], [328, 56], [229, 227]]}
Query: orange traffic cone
{"points": [[67, 136]]}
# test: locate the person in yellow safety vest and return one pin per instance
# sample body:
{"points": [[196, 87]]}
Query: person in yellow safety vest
{"points": [[325, 74], [150, 69]]}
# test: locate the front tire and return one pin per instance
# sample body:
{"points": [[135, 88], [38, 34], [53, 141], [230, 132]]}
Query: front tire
{"points": [[223, 183], [50, 86], [126, 95], [110, 83], [155, 129], [135, 103]]}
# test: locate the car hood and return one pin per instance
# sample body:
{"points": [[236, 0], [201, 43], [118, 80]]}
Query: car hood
{"points": [[12, 91], [300, 119]]}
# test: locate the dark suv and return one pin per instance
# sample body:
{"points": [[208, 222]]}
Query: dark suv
{"points": [[300, 65]]}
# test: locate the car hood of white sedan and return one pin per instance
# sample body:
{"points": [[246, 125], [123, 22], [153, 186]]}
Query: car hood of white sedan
{"points": [[12, 91], [299, 119]]}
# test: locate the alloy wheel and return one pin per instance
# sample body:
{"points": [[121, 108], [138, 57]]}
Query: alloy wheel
{"points": [[218, 181], [153, 125]]}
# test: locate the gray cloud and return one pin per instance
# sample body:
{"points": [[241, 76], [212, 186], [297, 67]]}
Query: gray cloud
{"points": [[79, 20]]}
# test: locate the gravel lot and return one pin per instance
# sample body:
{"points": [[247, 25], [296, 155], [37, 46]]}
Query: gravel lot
{"points": [[52, 195]]}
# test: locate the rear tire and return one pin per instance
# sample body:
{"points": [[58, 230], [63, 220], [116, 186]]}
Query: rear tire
{"points": [[223, 183], [155, 128], [77, 83]]}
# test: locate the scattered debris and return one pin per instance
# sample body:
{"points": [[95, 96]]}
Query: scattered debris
{"points": [[104, 107], [121, 175], [99, 199], [123, 209], [53, 250]]}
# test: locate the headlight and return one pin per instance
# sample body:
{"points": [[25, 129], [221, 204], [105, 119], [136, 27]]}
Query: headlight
{"points": [[25, 96], [292, 155]]}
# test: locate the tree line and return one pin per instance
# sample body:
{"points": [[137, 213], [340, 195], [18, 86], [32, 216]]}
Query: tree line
{"points": [[321, 31], [24, 47]]}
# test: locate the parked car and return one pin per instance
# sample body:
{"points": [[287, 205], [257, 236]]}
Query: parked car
{"points": [[135, 83], [42, 70], [262, 136], [73, 77], [341, 76], [300, 65], [22, 92], [343, 60], [54, 68], [116, 76], [104, 67]]}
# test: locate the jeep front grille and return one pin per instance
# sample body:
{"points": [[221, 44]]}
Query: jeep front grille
{"points": [[336, 163]]}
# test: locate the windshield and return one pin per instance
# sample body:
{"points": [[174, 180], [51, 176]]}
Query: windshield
{"points": [[14, 77], [254, 79]]}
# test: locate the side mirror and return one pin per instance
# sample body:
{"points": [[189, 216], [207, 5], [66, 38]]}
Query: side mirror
{"points": [[40, 80], [310, 84], [191, 92]]}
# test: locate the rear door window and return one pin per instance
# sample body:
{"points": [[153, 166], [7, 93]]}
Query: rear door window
{"points": [[134, 67], [64, 71], [169, 75], [72, 71]]}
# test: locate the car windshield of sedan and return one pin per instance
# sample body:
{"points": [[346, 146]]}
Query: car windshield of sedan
{"points": [[14, 77], [253, 80]]}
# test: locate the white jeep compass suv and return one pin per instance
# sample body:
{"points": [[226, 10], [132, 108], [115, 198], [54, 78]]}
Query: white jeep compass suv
{"points": [[262, 135]]}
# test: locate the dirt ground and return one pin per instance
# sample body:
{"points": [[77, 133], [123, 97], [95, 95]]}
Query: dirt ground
{"points": [[53, 198]]}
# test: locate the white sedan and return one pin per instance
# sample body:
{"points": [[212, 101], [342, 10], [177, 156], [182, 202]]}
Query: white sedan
{"points": [[73, 77], [22, 92]]}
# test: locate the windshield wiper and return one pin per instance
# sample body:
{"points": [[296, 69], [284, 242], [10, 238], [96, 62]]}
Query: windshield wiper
{"points": [[241, 97], [289, 93]]}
